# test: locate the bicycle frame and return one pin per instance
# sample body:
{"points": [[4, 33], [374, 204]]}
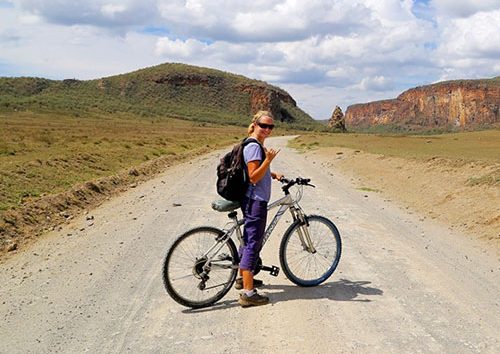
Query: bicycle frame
{"points": [[284, 203]]}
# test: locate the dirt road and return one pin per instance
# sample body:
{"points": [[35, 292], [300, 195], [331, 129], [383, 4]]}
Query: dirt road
{"points": [[404, 284]]}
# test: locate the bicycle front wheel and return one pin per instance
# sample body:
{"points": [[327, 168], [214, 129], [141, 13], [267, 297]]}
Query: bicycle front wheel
{"points": [[310, 252], [200, 268]]}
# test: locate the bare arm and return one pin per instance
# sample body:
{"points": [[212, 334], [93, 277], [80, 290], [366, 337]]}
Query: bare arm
{"points": [[256, 171]]}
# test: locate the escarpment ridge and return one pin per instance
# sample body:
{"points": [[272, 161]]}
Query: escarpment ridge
{"points": [[459, 104]]}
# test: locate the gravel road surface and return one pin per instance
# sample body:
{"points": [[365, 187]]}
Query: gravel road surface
{"points": [[404, 284]]}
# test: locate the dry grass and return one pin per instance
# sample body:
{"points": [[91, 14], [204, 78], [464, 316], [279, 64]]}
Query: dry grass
{"points": [[466, 147], [47, 154]]}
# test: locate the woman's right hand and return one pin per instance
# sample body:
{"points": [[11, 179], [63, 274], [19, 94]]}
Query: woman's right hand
{"points": [[271, 153]]}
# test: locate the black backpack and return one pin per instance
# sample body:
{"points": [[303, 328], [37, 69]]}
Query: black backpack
{"points": [[232, 178]]}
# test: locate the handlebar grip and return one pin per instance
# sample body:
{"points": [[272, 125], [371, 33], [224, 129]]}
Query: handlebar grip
{"points": [[302, 181], [284, 180]]}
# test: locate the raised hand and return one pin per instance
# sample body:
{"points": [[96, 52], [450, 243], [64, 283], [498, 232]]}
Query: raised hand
{"points": [[271, 153]]}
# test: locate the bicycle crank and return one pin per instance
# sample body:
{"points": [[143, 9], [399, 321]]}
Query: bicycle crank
{"points": [[273, 270]]}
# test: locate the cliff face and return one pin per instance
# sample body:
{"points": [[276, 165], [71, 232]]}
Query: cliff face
{"points": [[262, 98], [464, 104]]}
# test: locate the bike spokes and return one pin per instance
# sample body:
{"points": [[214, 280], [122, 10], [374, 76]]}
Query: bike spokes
{"points": [[310, 252], [195, 278]]}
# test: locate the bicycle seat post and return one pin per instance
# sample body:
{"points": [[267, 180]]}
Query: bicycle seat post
{"points": [[232, 215]]}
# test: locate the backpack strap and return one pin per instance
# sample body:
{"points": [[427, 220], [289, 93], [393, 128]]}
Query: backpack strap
{"points": [[247, 141], [244, 143]]}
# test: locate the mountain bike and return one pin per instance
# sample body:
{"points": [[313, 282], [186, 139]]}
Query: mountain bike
{"points": [[202, 264]]}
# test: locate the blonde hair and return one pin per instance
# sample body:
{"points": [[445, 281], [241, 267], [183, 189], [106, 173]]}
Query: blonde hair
{"points": [[256, 118]]}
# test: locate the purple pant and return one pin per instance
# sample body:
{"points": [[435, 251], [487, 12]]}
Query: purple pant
{"points": [[255, 213]]}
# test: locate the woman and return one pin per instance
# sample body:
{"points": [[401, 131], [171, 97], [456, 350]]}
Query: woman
{"points": [[254, 205]]}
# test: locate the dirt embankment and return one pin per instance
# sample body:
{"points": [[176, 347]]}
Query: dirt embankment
{"points": [[463, 195], [23, 225]]}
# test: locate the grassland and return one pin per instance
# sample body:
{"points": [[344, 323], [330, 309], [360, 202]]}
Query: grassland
{"points": [[44, 154], [54, 166], [54, 162], [466, 146]]}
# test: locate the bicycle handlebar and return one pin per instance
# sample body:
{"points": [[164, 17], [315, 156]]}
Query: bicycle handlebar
{"points": [[290, 182]]}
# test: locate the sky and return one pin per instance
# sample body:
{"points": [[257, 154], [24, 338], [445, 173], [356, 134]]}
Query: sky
{"points": [[323, 52]]}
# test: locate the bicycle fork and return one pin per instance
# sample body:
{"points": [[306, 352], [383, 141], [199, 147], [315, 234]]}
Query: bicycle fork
{"points": [[303, 230]]}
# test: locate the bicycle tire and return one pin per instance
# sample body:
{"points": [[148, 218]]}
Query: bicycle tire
{"points": [[303, 267], [182, 268]]}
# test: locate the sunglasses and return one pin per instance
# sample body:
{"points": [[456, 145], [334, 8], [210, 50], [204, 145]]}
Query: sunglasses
{"points": [[266, 126]]}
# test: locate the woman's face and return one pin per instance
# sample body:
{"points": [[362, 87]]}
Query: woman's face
{"points": [[263, 127]]}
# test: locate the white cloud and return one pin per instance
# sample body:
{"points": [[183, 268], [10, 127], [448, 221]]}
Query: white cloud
{"points": [[376, 83], [475, 36], [108, 14], [187, 14], [468, 47], [463, 8], [339, 52], [83, 52], [111, 10], [313, 98], [179, 49]]}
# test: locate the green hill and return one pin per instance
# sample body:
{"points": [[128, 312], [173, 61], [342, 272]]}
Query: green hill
{"points": [[167, 90]]}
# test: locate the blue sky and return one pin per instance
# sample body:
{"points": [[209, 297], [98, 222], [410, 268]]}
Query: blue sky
{"points": [[324, 53]]}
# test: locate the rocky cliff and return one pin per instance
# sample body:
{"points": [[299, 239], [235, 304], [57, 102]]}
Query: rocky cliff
{"points": [[337, 120], [261, 96], [452, 104]]}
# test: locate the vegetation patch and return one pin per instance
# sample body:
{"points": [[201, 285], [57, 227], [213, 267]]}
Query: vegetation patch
{"points": [[368, 189], [490, 179]]}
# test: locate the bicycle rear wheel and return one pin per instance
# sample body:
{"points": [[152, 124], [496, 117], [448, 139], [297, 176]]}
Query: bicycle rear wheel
{"points": [[310, 267], [199, 268]]}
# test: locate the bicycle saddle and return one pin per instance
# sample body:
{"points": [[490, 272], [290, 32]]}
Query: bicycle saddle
{"points": [[225, 205]]}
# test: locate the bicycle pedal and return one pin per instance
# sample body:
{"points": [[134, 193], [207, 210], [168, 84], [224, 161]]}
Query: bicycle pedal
{"points": [[274, 271]]}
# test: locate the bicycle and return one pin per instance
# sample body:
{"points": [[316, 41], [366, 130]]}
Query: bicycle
{"points": [[202, 264]]}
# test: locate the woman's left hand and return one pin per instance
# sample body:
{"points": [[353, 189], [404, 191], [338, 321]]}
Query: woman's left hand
{"points": [[277, 175]]}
